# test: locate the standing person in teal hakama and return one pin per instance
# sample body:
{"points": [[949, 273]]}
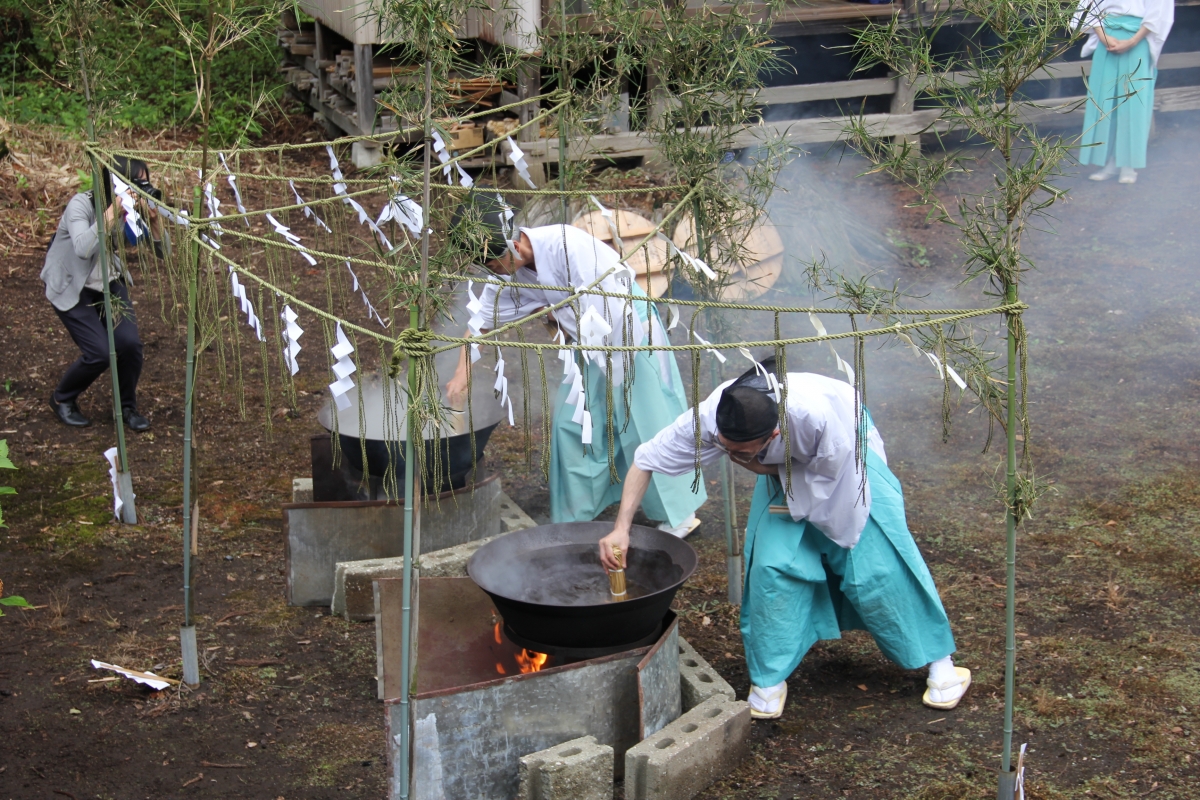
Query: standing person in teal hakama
{"points": [[832, 555], [561, 255], [1125, 39]]}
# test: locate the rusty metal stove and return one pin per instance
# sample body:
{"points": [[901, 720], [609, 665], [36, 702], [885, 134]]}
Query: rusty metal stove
{"points": [[483, 701]]}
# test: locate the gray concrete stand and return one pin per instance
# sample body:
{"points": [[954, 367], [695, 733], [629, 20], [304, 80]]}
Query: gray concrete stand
{"points": [[580, 769], [683, 758]]}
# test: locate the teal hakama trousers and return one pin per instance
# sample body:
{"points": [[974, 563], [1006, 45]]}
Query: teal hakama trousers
{"points": [[1120, 101], [801, 586], [580, 483]]}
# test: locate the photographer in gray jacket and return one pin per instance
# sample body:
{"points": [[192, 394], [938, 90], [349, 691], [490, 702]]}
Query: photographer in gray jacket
{"points": [[75, 289]]}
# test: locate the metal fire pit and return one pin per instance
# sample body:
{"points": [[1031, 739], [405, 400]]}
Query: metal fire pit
{"points": [[475, 714], [548, 584]]}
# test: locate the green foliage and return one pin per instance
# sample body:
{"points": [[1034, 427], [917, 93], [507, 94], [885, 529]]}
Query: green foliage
{"points": [[5, 463], [139, 75]]}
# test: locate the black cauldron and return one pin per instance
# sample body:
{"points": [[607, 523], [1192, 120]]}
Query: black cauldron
{"points": [[386, 433], [549, 586]]}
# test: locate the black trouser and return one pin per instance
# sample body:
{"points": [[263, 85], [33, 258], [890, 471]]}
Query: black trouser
{"points": [[85, 323]]}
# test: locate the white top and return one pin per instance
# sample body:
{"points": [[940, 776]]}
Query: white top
{"points": [[1157, 17], [826, 480], [567, 256]]}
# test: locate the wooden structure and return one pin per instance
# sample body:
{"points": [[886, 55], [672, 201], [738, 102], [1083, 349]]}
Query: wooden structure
{"points": [[331, 65]]}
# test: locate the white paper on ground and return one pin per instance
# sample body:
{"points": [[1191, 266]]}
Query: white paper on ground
{"points": [[111, 455], [155, 682]]}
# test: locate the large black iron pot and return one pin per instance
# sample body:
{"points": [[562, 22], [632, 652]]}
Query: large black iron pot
{"points": [[548, 584], [385, 438]]}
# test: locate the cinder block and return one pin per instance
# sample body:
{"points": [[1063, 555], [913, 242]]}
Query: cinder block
{"points": [[581, 769], [686, 756], [698, 681], [302, 490], [365, 156], [512, 517], [353, 596]]}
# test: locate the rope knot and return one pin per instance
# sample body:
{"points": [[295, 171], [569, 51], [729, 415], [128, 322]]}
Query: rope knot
{"points": [[411, 343]]}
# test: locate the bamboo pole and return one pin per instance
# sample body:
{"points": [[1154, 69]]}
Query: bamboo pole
{"points": [[124, 476], [1007, 776], [411, 484], [562, 118], [187, 634]]}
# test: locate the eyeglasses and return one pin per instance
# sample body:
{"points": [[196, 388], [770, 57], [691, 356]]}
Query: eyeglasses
{"points": [[742, 457]]}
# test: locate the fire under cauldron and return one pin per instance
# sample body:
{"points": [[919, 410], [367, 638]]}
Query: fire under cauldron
{"points": [[385, 431], [549, 586]]}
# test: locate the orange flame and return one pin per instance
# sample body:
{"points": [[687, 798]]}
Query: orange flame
{"points": [[496, 631], [530, 661], [500, 668]]}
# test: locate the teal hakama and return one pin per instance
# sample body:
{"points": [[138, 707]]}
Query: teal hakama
{"points": [[802, 587], [580, 484], [1120, 101]]}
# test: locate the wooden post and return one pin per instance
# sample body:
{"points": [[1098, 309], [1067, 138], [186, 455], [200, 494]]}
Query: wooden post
{"points": [[320, 56], [903, 102], [529, 84], [364, 87]]}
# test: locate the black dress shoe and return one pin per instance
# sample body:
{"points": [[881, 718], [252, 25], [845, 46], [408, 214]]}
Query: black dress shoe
{"points": [[69, 414], [135, 421]]}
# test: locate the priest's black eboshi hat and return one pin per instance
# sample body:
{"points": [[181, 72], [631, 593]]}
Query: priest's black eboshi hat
{"points": [[480, 210], [747, 410]]}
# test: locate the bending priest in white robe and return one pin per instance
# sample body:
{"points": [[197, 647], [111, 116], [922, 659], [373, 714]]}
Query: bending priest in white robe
{"points": [[834, 560], [647, 392]]}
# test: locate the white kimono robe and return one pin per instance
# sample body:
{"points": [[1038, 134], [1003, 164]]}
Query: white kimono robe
{"points": [[1157, 16]]}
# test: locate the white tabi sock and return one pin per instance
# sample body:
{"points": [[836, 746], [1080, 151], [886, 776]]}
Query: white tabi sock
{"points": [[941, 673], [766, 701], [1128, 175], [1109, 170]]}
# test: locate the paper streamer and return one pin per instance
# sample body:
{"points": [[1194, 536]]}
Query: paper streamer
{"points": [[475, 323], [214, 208], [516, 157], [501, 388], [111, 455], [291, 238], [343, 368], [128, 202], [371, 312], [937, 362], [607, 214], [291, 334], [695, 263], [772, 381], [237, 195], [819, 327], [308, 212], [405, 211], [239, 291], [715, 352]]}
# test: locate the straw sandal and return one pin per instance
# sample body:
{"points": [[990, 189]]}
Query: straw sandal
{"points": [[964, 679], [778, 695]]}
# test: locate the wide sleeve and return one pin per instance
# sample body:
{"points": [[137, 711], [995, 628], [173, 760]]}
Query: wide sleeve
{"points": [[673, 450], [80, 223], [501, 305], [1158, 20]]}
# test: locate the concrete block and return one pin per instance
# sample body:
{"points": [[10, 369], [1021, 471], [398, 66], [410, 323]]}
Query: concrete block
{"points": [[512, 518], [580, 769], [353, 596], [319, 535], [682, 759], [302, 490], [697, 680], [365, 156]]}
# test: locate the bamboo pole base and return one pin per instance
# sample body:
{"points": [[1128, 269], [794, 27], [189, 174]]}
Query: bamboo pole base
{"points": [[1007, 789], [125, 490], [734, 565], [191, 661]]}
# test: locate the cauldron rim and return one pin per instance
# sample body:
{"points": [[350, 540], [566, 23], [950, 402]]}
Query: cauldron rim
{"points": [[682, 554]]}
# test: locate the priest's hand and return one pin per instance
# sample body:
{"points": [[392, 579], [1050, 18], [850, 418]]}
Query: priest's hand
{"points": [[619, 538]]}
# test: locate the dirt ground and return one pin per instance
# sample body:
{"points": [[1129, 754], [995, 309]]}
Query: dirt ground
{"points": [[1108, 675]]}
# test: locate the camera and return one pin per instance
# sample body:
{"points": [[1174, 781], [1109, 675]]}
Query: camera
{"points": [[144, 185]]}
